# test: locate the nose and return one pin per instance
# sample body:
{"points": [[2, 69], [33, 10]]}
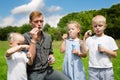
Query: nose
{"points": [[40, 25], [97, 26]]}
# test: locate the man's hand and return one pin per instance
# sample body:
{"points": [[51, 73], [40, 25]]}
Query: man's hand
{"points": [[34, 33], [51, 59]]}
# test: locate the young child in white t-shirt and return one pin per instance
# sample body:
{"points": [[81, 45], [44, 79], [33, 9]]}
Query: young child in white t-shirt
{"points": [[17, 57], [101, 49]]}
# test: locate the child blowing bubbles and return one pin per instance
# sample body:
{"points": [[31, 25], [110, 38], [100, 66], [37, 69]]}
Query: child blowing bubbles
{"points": [[101, 48], [16, 58], [74, 50]]}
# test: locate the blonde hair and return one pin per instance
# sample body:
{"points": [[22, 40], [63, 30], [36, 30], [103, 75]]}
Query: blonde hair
{"points": [[14, 36], [76, 24], [103, 19], [34, 14]]}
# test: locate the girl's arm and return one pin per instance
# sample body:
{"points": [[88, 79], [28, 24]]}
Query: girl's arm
{"points": [[83, 47], [83, 50], [62, 47]]}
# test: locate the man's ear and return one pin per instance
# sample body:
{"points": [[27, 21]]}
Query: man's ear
{"points": [[29, 21]]}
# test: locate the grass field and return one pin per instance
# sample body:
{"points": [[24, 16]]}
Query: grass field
{"points": [[59, 60]]}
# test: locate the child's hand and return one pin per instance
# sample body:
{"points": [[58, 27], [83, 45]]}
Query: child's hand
{"points": [[64, 37], [101, 48], [87, 34], [75, 51], [26, 47]]}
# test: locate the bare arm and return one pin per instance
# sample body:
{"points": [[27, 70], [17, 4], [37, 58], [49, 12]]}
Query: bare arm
{"points": [[12, 50], [34, 35], [32, 49], [82, 52], [109, 52], [30, 62], [62, 47], [83, 49]]}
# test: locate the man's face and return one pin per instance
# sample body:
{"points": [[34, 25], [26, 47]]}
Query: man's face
{"points": [[37, 22]]}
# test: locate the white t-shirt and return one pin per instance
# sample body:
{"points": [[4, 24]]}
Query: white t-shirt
{"points": [[97, 59], [17, 66]]}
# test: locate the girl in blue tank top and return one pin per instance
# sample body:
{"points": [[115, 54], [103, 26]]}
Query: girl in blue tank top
{"points": [[74, 51]]}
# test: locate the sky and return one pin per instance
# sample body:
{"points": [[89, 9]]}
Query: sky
{"points": [[16, 12]]}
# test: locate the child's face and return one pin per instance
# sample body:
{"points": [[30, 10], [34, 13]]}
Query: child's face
{"points": [[73, 31], [99, 26], [17, 42]]}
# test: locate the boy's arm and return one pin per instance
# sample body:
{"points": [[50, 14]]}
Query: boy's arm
{"points": [[10, 51], [109, 52], [112, 53]]}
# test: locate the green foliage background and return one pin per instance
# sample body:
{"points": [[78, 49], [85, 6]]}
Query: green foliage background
{"points": [[112, 15]]}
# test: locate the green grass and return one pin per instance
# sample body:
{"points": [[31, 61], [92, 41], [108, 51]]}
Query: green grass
{"points": [[3, 65], [59, 60]]}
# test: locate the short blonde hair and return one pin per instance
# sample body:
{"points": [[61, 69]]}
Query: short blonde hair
{"points": [[15, 36], [103, 19]]}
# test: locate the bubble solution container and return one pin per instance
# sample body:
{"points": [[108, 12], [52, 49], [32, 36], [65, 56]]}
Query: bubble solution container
{"points": [[73, 46], [98, 48]]}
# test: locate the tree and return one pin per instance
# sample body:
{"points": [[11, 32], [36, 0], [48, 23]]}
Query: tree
{"points": [[24, 28], [5, 31], [46, 27]]}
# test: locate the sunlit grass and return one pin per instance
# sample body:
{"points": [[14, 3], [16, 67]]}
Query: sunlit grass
{"points": [[59, 60]]}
